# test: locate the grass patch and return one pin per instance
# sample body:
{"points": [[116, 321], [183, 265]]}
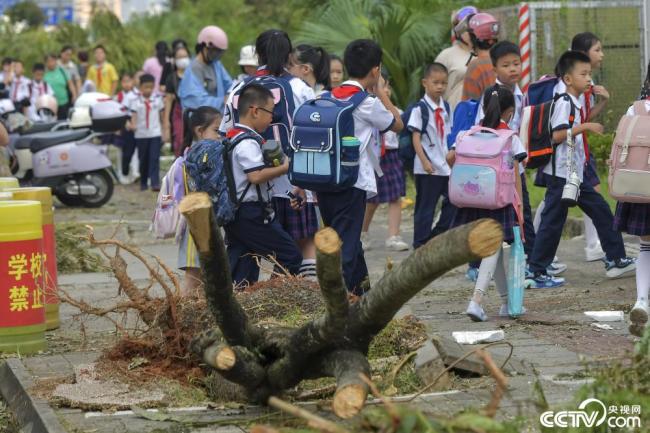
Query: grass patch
{"points": [[73, 254], [7, 422]]}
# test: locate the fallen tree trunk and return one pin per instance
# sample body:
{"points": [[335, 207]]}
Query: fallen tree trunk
{"points": [[267, 361]]}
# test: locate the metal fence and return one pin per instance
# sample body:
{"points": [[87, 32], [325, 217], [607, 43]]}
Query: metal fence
{"points": [[619, 25]]}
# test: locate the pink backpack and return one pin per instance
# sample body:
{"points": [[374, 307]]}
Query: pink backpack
{"points": [[629, 162], [482, 176]]}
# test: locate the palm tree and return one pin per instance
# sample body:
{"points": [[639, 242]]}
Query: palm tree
{"points": [[410, 32]]}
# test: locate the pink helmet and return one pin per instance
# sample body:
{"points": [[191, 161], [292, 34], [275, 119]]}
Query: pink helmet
{"points": [[484, 26], [213, 36]]}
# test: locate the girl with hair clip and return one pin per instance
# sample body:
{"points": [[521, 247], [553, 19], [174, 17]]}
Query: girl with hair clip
{"points": [[312, 65], [499, 106], [199, 124], [294, 208]]}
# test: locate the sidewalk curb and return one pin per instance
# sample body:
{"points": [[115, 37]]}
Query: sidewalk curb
{"points": [[34, 415]]}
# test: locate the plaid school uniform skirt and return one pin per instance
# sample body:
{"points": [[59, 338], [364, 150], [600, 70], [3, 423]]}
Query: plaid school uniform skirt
{"points": [[505, 216], [300, 224], [632, 218], [391, 186]]}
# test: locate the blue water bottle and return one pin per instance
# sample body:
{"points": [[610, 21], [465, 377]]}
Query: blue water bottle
{"points": [[516, 275]]}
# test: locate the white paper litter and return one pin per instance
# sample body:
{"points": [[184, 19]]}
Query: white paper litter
{"points": [[475, 337], [602, 326], [605, 316]]}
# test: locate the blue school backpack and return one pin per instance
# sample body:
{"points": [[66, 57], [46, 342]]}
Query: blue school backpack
{"points": [[406, 151], [540, 91], [325, 150], [280, 87], [209, 167], [464, 118]]}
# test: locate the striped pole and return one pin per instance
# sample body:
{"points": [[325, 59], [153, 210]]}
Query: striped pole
{"points": [[524, 44]]}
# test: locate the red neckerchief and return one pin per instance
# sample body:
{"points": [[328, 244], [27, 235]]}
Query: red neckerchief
{"points": [[440, 124], [261, 72], [345, 91], [120, 96], [147, 110], [584, 115], [502, 125], [382, 139]]}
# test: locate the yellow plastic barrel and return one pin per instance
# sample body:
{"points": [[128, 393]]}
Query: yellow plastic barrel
{"points": [[50, 274], [22, 304], [8, 182]]}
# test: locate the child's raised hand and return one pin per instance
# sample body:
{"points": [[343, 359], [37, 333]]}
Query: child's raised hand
{"points": [[601, 91], [596, 128]]}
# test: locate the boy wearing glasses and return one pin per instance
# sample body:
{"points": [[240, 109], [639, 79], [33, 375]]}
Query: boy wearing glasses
{"points": [[255, 230]]}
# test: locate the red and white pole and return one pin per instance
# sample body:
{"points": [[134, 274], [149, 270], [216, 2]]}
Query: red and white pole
{"points": [[524, 45]]}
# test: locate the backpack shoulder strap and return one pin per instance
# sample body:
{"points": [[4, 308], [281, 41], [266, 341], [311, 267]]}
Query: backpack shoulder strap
{"points": [[424, 114], [572, 112], [358, 98], [640, 108]]}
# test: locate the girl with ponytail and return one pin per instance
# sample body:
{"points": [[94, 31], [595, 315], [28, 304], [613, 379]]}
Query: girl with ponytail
{"points": [[498, 106], [198, 124], [312, 65]]}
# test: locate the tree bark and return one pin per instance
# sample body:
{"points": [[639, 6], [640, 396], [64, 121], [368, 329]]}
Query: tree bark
{"points": [[347, 366]]}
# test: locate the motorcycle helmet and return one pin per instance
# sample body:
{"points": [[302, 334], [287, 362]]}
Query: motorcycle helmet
{"points": [[80, 117], [46, 107], [462, 13], [90, 98], [213, 36], [484, 26]]}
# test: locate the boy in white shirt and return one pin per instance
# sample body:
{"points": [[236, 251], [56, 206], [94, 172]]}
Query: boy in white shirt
{"points": [[344, 210], [574, 69], [19, 90], [255, 229], [146, 117], [37, 88], [430, 166]]}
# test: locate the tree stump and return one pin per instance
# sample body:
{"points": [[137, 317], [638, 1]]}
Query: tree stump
{"points": [[267, 361]]}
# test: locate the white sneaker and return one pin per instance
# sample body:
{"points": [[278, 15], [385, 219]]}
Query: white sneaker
{"points": [[503, 311], [620, 267], [123, 180], [639, 318], [365, 241], [395, 243], [475, 312], [593, 253]]}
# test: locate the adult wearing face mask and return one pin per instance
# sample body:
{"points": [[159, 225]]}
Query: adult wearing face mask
{"points": [[206, 81], [457, 57], [173, 114]]}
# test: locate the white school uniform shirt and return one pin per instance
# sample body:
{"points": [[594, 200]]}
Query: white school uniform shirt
{"points": [[390, 139], [301, 93], [515, 122], [37, 89], [369, 116], [144, 129], [434, 147], [19, 89], [246, 158], [127, 97], [560, 121]]}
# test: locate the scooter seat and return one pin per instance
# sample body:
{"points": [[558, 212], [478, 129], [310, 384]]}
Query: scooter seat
{"points": [[44, 140], [40, 127]]}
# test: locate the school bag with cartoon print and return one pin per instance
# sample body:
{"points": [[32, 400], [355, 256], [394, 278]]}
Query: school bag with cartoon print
{"points": [[325, 150], [483, 175], [629, 161], [209, 168], [280, 127]]}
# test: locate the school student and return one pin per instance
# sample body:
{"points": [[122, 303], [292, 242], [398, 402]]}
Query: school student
{"points": [[634, 219], [129, 171], [337, 71], [255, 229], [574, 70], [37, 88], [499, 107], [344, 210], [199, 124], [430, 166], [312, 65], [146, 117], [391, 187], [19, 92]]}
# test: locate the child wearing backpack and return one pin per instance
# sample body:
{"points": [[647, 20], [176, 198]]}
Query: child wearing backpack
{"points": [[344, 210], [574, 71], [391, 187], [255, 230], [200, 124], [430, 167], [499, 107], [634, 219], [297, 216]]}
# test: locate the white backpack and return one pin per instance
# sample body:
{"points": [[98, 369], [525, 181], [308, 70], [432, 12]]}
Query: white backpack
{"points": [[166, 217]]}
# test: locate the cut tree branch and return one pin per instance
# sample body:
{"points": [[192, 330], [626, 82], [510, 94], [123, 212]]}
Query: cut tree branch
{"points": [[348, 367]]}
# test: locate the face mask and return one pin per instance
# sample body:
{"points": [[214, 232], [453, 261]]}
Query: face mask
{"points": [[213, 54], [182, 63]]}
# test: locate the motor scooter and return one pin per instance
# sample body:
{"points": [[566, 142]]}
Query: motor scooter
{"points": [[72, 162]]}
